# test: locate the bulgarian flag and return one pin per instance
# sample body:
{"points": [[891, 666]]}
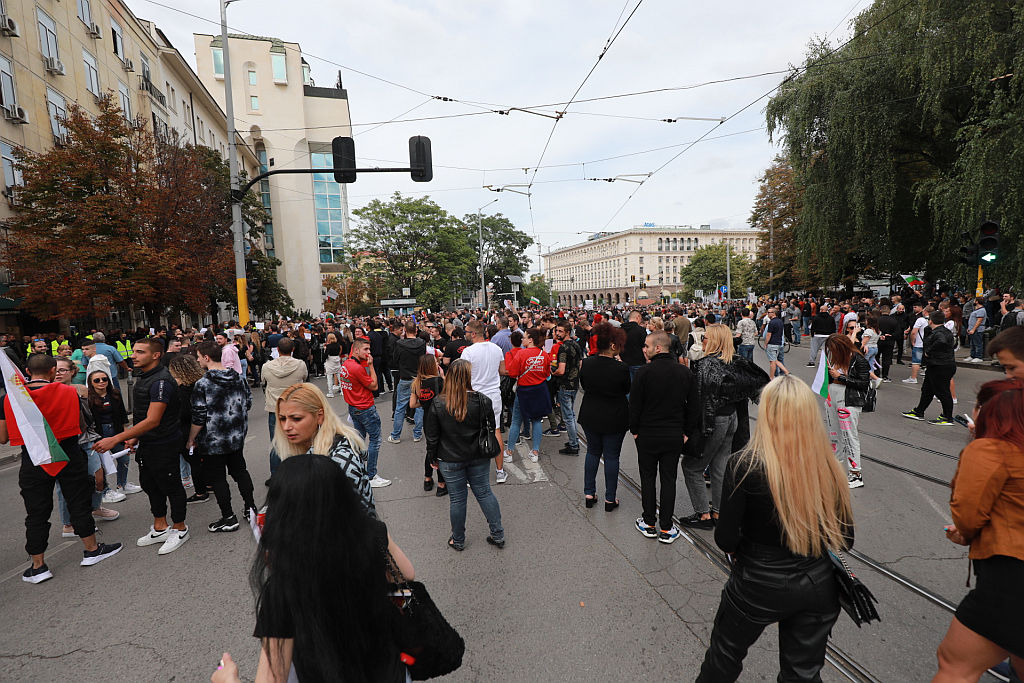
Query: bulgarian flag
{"points": [[821, 377], [535, 301], [913, 280], [42, 446]]}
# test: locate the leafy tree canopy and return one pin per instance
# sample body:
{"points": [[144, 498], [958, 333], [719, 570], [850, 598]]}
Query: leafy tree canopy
{"points": [[707, 270]]}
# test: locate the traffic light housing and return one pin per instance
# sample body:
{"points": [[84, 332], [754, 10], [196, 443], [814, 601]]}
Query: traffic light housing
{"points": [[988, 242], [344, 150], [632, 278], [969, 250], [419, 159]]}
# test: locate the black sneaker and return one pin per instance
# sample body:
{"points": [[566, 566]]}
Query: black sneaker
{"points": [[563, 428], [224, 524], [941, 421], [250, 512], [913, 415], [695, 522], [551, 432], [569, 450], [498, 544], [198, 498], [38, 575], [102, 552]]}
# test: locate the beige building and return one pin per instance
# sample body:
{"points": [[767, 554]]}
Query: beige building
{"points": [[59, 52], [638, 263], [290, 123]]}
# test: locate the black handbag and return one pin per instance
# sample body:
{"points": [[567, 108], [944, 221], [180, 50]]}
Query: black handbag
{"points": [[430, 646], [870, 400], [487, 442], [854, 597]]}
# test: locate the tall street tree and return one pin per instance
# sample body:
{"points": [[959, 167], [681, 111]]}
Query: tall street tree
{"points": [[504, 249], [414, 243], [707, 271], [908, 135]]}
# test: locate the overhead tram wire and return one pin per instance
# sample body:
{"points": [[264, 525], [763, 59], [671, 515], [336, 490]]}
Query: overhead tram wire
{"points": [[794, 74]]}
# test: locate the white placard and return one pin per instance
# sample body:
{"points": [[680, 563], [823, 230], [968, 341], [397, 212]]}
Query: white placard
{"points": [[151, 332], [430, 350], [307, 335], [203, 331], [548, 343], [109, 460], [260, 326]]}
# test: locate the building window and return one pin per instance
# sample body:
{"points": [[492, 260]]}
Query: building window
{"points": [[47, 35], [280, 67], [126, 100], [695, 243], [329, 219], [147, 74], [12, 174], [306, 78], [117, 38], [85, 12], [254, 103], [58, 109], [92, 73], [252, 76], [218, 62], [8, 98], [172, 97]]}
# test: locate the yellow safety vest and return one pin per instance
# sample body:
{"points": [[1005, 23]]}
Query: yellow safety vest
{"points": [[54, 345], [125, 348]]}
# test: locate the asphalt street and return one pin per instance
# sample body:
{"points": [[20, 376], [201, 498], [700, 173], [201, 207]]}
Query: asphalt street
{"points": [[575, 595]]}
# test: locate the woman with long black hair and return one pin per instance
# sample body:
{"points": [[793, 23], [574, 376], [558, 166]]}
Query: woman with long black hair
{"points": [[453, 426], [850, 378], [186, 371], [321, 578], [785, 505], [425, 388]]}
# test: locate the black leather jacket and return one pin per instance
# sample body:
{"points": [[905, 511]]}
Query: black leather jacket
{"points": [[857, 380], [454, 441]]}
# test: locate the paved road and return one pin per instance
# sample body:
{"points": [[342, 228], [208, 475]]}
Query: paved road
{"points": [[576, 594]]}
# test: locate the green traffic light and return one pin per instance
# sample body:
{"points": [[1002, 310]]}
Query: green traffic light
{"points": [[988, 258]]}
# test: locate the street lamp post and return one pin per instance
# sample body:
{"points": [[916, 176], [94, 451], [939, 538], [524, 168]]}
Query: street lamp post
{"points": [[236, 205], [480, 229]]}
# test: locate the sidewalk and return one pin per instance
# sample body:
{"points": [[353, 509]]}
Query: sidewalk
{"points": [[9, 454]]}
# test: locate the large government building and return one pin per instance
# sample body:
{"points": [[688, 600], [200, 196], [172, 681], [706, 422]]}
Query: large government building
{"points": [[643, 262]]}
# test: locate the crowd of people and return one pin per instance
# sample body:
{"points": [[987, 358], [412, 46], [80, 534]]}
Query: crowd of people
{"points": [[474, 384]]}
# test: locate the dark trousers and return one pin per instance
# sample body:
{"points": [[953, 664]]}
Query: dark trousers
{"points": [[195, 460], [936, 384], [36, 485], [899, 348], [218, 466], [428, 471], [885, 350], [658, 455], [394, 387], [765, 588], [382, 376], [160, 478]]}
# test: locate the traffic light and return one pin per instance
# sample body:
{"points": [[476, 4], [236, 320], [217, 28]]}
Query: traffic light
{"points": [[632, 278], [419, 159], [344, 150], [988, 242], [969, 250]]}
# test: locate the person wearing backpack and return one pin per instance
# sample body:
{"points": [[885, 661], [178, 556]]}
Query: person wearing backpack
{"points": [[695, 341]]}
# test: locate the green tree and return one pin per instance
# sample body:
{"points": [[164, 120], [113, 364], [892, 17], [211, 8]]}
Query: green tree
{"points": [[539, 287], [907, 136], [707, 270], [414, 243], [504, 249]]}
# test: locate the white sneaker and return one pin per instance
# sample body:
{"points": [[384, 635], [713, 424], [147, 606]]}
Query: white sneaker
{"points": [[417, 439], [330, 394], [187, 482], [154, 537], [954, 400], [392, 439], [130, 488], [507, 457], [174, 540], [68, 531], [379, 482], [113, 496], [500, 477], [909, 380], [534, 456]]}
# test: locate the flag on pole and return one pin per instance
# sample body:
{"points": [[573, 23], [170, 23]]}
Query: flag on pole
{"points": [[43, 448], [821, 377], [913, 280], [332, 293], [535, 301]]}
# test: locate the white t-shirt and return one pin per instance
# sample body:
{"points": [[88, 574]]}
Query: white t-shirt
{"points": [[919, 325], [485, 358]]}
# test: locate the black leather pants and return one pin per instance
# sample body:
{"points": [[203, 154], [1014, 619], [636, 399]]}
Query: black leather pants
{"points": [[769, 585]]}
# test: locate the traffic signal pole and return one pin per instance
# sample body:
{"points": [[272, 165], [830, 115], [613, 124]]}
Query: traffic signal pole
{"points": [[980, 289], [237, 227]]}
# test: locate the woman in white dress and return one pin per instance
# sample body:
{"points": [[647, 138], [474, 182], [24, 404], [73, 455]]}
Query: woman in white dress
{"points": [[332, 366]]}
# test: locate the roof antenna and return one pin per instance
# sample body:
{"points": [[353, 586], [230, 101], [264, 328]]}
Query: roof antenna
{"points": [[338, 86]]}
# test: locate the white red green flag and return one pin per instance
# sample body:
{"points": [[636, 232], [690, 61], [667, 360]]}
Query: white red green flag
{"points": [[535, 301], [821, 376], [43, 448]]}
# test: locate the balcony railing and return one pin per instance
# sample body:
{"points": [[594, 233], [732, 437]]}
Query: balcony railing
{"points": [[154, 92]]}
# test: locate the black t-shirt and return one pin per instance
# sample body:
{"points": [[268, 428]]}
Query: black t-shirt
{"points": [[776, 328], [333, 349], [453, 350], [430, 388]]}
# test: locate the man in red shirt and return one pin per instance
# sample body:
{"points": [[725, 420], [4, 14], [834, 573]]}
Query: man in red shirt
{"points": [[358, 382]]}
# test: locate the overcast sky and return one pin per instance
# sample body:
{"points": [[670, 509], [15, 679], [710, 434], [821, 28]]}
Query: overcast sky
{"points": [[534, 52]]}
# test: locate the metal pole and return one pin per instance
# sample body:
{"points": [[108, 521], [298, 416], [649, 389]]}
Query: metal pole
{"points": [[236, 202], [483, 284], [728, 271], [771, 257]]}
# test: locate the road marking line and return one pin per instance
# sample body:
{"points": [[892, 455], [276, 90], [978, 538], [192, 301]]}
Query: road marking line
{"points": [[516, 472], [943, 512], [532, 468], [50, 553]]}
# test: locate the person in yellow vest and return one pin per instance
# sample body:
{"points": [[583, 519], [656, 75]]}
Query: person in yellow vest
{"points": [[55, 345], [124, 347]]}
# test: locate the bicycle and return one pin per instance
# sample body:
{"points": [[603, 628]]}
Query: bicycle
{"points": [[786, 346]]}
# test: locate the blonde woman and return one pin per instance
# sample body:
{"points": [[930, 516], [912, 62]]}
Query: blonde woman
{"points": [[307, 424], [786, 505]]}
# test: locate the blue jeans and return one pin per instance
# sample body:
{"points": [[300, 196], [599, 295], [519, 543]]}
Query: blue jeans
{"points": [[477, 474], [184, 467], [517, 424], [122, 469], [402, 394], [567, 401], [602, 445], [807, 325], [271, 423], [872, 352], [775, 352], [978, 344], [367, 421], [746, 351]]}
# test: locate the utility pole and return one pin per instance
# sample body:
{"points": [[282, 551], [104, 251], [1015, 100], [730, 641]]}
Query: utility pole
{"points": [[237, 227], [480, 229], [771, 258], [728, 271]]}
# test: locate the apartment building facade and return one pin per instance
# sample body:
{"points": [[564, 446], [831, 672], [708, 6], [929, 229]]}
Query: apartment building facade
{"points": [[57, 52], [289, 122], [642, 262]]}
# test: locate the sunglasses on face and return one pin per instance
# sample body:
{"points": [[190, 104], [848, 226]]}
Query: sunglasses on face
{"points": [[100, 380]]}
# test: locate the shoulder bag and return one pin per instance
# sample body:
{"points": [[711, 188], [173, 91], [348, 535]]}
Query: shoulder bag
{"points": [[430, 646], [487, 442], [854, 597]]}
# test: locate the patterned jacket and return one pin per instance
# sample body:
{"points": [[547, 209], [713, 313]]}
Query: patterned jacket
{"points": [[220, 404], [351, 462]]}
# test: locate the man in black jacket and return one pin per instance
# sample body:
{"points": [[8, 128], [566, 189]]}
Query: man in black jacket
{"points": [[663, 412], [890, 331], [822, 325], [633, 354], [407, 361], [938, 354]]}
